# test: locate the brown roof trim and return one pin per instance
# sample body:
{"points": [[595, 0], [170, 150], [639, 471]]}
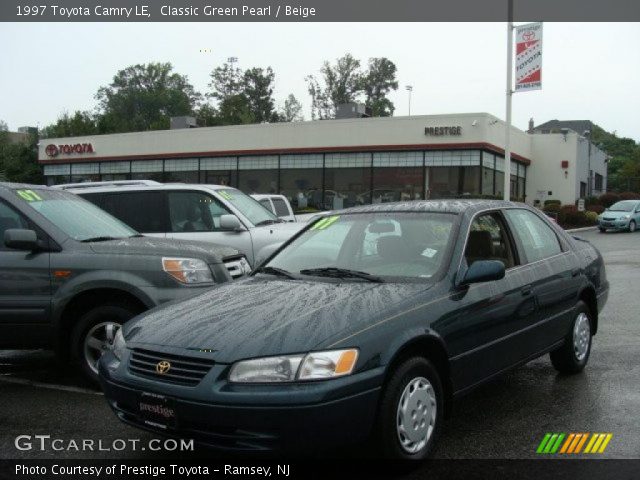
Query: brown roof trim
{"points": [[275, 151]]}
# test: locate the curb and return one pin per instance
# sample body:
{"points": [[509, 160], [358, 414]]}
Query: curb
{"points": [[583, 229]]}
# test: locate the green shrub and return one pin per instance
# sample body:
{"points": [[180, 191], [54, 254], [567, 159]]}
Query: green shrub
{"points": [[608, 199], [552, 208], [592, 217], [552, 202], [590, 201], [598, 209], [569, 216], [629, 196]]}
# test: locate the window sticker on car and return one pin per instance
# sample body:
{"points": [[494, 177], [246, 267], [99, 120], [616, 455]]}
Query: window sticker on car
{"points": [[428, 252], [226, 195], [29, 195], [326, 222]]}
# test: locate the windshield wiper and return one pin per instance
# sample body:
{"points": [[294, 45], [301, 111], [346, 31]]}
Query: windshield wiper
{"points": [[137, 235], [98, 239], [269, 222], [276, 271], [341, 273]]}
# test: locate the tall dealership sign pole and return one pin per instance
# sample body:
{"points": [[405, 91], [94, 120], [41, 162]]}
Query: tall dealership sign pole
{"points": [[507, 134]]}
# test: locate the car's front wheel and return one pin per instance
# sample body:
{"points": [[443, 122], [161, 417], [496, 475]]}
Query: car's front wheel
{"points": [[602, 229], [632, 226], [573, 356], [411, 411], [94, 334]]}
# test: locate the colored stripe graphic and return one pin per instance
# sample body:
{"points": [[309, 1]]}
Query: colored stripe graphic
{"points": [[573, 443]]}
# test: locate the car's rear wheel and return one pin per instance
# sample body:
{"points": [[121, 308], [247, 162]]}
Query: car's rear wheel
{"points": [[573, 356], [632, 226], [94, 333], [411, 411]]}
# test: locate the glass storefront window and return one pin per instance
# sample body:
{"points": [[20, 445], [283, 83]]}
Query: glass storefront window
{"points": [[147, 170], [444, 182], [394, 184], [487, 181], [181, 177], [303, 187], [347, 178], [499, 184], [258, 174], [219, 171], [470, 181], [157, 176]]}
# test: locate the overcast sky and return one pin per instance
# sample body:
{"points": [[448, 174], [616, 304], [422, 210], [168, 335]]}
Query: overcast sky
{"points": [[590, 71]]}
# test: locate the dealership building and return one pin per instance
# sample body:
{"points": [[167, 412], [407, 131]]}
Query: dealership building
{"points": [[331, 164]]}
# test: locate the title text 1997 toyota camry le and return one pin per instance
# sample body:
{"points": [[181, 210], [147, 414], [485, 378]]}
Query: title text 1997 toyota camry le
{"points": [[365, 325]]}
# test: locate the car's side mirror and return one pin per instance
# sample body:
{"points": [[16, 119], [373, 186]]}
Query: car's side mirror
{"points": [[483, 271], [230, 222], [21, 239]]}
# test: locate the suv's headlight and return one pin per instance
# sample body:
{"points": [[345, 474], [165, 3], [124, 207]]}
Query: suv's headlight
{"points": [[187, 270], [290, 368], [119, 344]]}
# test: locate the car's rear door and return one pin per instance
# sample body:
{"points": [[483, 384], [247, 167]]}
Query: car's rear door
{"points": [[555, 276]]}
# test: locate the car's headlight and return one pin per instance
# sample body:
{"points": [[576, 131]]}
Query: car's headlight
{"points": [[187, 270], [119, 344], [291, 368], [625, 217]]}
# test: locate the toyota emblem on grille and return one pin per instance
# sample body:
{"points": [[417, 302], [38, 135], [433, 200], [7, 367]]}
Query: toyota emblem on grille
{"points": [[163, 367]]}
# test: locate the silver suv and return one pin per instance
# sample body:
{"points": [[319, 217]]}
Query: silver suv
{"points": [[213, 213]]}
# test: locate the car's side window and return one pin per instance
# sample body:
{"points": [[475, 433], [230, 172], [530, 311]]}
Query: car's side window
{"points": [[281, 207], [488, 240], [142, 211], [194, 212], [536, 237], [9, 218]]}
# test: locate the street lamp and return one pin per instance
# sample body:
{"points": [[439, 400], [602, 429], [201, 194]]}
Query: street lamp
{"points": [[409, 88], [587, 134]]}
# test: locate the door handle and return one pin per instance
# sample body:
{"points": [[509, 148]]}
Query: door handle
{"points": [[526, 290]]}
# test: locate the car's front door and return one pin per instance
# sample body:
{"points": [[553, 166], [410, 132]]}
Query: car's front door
{"points": [[555, 276], [483, 333], [196, 215], [25, 288]]}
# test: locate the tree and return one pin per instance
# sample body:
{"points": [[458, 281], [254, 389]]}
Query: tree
{"points": [[235, 110], [226, 81], [378, 81], [19, 161], [81, 123], [257, 86], [3, 126], [144, 97], [341, 83], [292, 111]]}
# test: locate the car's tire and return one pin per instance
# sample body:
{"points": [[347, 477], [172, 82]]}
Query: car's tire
{"points": [[573, 356], [94, 332], [632, 226], [602, 230], [410, 411]]}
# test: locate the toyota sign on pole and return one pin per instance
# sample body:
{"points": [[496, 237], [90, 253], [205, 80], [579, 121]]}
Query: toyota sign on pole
{"points": [[529, 57]]}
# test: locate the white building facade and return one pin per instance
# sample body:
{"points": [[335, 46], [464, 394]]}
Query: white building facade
{"points": [[334, 164]]}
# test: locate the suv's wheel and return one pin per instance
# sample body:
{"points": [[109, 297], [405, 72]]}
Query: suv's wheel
{"points": [[411, 410], [94, 333], [574, 354]]}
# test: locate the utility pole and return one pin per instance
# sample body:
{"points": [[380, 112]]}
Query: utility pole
{"points": [[507, 134], [409, 88]]}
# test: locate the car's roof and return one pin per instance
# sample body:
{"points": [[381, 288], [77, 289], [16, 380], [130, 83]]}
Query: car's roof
{"points": [[138, 188], [439, 206], [15, 186]]}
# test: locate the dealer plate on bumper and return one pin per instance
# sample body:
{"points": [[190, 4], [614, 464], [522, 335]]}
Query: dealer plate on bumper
{"points": [[157, 410]]}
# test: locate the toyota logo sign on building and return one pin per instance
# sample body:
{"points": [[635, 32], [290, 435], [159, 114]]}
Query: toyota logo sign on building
{"points": [[51, 150]]}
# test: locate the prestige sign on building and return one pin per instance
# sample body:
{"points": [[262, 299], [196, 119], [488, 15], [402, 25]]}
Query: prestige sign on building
{"points": [[529, 57]]}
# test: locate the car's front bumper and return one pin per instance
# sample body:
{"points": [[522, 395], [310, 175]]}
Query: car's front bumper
{"points": [[312, 418], [614, 224]]}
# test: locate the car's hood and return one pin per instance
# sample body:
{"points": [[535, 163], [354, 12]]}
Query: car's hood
{"points": [[261, 316], [210, 252], [281, 230], [615, 214]]}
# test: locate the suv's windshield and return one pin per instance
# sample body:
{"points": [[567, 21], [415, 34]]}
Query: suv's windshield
{"points": [[624, 206], [255, 212], [383, 245], [76, 217]]}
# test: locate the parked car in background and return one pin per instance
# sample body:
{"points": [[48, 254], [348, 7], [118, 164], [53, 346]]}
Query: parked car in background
{"points": [[366, 325], [276, 204], [71, 274], [210, 213], [623, 215]]}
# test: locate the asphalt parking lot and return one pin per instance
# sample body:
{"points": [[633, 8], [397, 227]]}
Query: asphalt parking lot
{"points": [[504, 419]]}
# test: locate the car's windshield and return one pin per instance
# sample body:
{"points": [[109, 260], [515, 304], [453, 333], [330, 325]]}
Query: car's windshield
{"points": [[255, 212], [388, 245], [624, 206], [76, 217]]}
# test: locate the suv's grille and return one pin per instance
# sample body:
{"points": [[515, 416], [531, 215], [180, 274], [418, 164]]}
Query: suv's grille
{"points": [[182, 370], [237, 266]]}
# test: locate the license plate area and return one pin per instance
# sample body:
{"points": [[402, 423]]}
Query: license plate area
{"points": [[157, 410]]}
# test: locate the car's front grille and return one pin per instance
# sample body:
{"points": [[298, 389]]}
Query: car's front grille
{"points": [[608, 219], [237, 266], [181, 370]]}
